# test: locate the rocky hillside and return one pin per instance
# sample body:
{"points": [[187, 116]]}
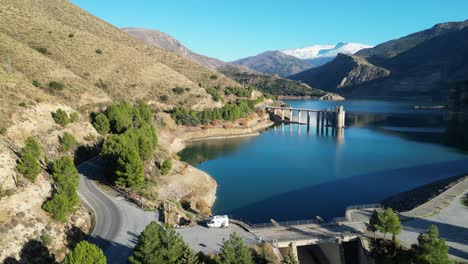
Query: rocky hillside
{"points": [[265, 82], [274, 62], [167, 42], [54, 55], [422, 64]]}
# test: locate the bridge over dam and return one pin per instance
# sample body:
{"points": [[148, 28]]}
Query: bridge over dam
{"points": [[325, 119]]}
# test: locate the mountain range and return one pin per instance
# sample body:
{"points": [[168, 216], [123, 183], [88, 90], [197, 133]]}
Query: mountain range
{"points": [[288, 62], [318, 55], [263, 80], [422, 64]]}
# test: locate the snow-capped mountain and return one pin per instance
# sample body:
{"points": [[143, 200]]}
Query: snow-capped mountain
{"points": [[321, 54]]}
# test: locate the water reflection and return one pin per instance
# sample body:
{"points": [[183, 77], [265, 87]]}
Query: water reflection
{"points": [[290, 170], [201, 151]]}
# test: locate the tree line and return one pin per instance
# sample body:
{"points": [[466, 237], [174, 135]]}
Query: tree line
{"points": [[229, 112]]}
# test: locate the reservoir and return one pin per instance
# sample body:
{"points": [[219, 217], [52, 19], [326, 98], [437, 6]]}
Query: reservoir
{"points": [[290, 173]]}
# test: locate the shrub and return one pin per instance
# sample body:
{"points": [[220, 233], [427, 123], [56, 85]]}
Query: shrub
{"points": [[203, 207], [166, 167], [46, 239], [2, 130], [36, 83], [164, 98], [61, 117], [74, 117], [178, 90], [67, 142], [56, 86], [85, 252], [41, 50], [213, 77], [465, 200], [71, 35], [98, 51], [22, 104]]}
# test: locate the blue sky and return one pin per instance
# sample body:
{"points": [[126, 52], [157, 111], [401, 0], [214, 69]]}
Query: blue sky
{"points": [[233, 29]]}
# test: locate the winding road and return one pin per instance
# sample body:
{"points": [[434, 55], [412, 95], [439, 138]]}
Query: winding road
{"points": [[117, 221]]}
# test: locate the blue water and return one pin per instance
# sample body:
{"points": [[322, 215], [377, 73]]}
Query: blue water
{"points": [[290, 173]]}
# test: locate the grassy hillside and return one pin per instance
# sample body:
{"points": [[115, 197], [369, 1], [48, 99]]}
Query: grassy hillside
{"points": [[55, 41]]}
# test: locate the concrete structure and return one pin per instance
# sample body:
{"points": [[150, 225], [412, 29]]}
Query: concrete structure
{"points": [[326, 120]]}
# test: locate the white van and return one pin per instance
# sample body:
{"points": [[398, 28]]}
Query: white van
{"points": [[218, 221]]}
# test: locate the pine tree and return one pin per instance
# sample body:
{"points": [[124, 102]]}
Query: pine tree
{"points": [[61, 117], [67, 142], [28, 164], [189, 257], [101, 124], [374, 222], [430, 249], [158, 244], [129, 169], [235, 251], [85, 252]]}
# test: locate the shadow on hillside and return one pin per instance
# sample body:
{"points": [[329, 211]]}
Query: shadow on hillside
{"points": [[33, 252]]}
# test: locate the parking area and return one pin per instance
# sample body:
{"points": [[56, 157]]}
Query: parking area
{"points": [[210, 240]]}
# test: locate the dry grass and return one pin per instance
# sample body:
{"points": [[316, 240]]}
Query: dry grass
{"points": [[126, 68]]}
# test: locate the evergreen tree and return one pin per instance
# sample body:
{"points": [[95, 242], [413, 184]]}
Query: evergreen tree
{"points": [[101, 124], [430, 249], [65, 199], [189, 256], [166, 167], [120, 117], [129, 169], [85, 252], [158, 244], [61, 117], [28, 164], [374, 222], [234, 251], [389, 223], [67, 142]]}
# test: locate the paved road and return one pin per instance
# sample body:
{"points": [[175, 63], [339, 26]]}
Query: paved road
{"points": [[452, 223], [117, 221]]}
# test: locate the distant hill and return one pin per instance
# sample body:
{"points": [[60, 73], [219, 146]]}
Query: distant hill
{"points": [[274, 62], [318, 55], [265, 82], [422, 64]]}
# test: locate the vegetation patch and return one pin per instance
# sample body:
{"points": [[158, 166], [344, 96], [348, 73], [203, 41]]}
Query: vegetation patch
{"points": [[214, 94], [28, 164], [131, 143], [229, 112], [64, 199], [61, 117], [178, 90], [67, 142], [86, 252], [166, 167], [56, 86]]}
